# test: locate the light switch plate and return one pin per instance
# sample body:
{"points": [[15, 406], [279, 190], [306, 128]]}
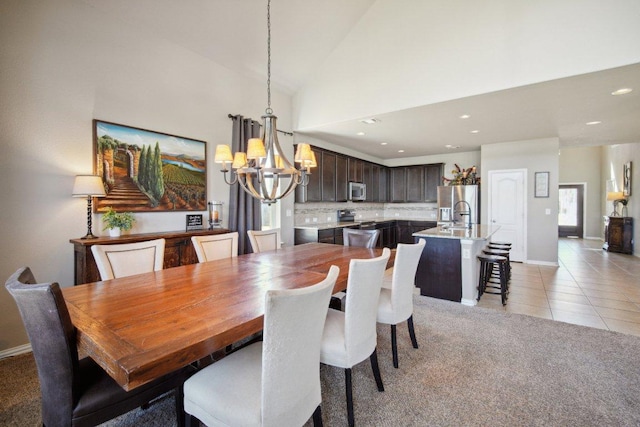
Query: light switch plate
{"points": [[547, 211]]}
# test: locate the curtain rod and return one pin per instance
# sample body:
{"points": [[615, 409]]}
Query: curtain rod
{"points": [[232, 116]]}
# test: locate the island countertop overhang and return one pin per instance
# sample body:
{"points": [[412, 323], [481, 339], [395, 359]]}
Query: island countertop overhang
{"points": [[476, 232]]}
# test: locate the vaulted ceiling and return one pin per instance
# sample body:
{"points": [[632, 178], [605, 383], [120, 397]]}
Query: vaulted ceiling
{"points": [[305, 34]]}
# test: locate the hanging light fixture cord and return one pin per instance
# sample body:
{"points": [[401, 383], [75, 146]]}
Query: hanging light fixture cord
{"points": [[269, 110]]}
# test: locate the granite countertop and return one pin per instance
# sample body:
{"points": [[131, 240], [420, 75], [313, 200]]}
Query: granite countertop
{"points": [[327, 225], [476, 232]]}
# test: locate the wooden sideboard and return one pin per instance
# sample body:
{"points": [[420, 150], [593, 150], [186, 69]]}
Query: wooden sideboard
{"points": [[178, 250], [618, 234]]}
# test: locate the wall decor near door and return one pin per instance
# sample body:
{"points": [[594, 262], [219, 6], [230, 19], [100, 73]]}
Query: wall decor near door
{"points": [[626, 180], [151, 171], [542, 184]]}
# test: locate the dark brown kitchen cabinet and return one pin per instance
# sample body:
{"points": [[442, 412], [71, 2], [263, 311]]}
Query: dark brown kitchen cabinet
{"points": [[383, 184], [313, 235], [355, 169], [414, 191], [328, 189], [397, 185], [371, 177], [342, 178], [432, 179], [618, 234], [312, 192], [406, 228]]}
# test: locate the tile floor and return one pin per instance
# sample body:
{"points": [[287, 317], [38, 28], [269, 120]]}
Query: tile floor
{"points": [[590, 287]]}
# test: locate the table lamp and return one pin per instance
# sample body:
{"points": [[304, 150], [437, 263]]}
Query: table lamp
{"points": [[88, 186], [616, 197]]}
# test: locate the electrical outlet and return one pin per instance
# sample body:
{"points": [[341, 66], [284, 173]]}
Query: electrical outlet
{"points": [[288, 212], [397, 214], [547, 211], [315, 219], [466, 253], [328, 219]]}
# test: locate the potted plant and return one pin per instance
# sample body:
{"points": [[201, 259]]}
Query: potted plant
{"points": [[117, 221]]}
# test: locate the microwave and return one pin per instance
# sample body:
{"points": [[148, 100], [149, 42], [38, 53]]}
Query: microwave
{"points": [[357, 191]]}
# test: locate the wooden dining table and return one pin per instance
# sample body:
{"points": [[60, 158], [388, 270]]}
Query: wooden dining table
{"points": [[141, 327]]}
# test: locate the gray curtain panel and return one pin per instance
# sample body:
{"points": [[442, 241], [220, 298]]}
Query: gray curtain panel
{"points": [[244, 210]]}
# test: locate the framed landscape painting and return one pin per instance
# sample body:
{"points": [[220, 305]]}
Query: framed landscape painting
{"points": [[148, 171]]}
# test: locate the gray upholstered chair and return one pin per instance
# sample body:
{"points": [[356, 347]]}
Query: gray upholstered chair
{"points": [[363, 238], [396, 301], [76, 392], [127, 259], [264, 240], [271, 383], [217, 246], [349, 337]]}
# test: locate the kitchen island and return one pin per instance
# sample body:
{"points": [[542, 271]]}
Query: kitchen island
{"points": [[448, 267]]}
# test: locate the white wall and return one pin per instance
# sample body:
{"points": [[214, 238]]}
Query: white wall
{"points": [[613, 159], [63, 64], [498, 44], [540, 155], [581, 165]]}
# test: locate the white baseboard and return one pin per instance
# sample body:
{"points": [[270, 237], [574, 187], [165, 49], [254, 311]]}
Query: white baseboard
{"points": [[550, 264], [469, 302], [21, 349]]}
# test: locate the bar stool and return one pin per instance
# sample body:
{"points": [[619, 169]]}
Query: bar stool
{"points": [[487, 263], [500, 243], [502, 251]]}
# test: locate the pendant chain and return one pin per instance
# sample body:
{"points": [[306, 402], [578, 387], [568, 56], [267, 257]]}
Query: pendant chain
{"points": [[269, 110]]}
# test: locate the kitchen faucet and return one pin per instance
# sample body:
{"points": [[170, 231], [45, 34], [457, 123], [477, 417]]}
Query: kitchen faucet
{"points": [[464, 213]]}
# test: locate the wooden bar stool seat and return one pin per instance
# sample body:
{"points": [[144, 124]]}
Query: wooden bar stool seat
{"points": [[487, 263]]}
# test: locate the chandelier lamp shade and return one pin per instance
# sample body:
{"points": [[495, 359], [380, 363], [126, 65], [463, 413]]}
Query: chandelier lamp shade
{"points": [[88, 186], [263, 170]]}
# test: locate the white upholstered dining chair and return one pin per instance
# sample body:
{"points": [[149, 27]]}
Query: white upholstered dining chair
{"points": [[396, 296], [264, 240], [127, 259], [217, 246], [275, 382], [350, 337]]}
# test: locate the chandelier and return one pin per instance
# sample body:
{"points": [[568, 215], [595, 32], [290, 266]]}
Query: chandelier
{"points": [[263, 171]]}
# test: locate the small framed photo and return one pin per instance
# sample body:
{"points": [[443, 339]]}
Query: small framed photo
{"points": [[626, 180], [542, 184], [194, 222]]}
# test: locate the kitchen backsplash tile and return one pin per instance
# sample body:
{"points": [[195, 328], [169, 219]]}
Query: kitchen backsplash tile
{"points": [[309, 213]]}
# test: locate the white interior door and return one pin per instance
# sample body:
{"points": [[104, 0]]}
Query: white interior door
{"points": [[507, 209]]}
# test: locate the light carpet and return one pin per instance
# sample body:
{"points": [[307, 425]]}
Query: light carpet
{"points": [[474, 367]]}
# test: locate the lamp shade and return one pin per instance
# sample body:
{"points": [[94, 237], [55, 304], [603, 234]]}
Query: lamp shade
{"points": [[88, 186], [614, 195], [239, 160], [223, 154], [255, 149]]}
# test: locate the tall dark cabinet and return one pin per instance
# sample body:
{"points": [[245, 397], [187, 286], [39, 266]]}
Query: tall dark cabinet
{"points": [[618, 234]]}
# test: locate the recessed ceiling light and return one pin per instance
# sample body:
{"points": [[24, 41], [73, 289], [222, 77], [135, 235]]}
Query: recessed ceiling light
{"points": [[475, 131], [595, 122], [360, 133], [451, 147], [622, 91], [383, 143], [465, 116], [400, 151], [370, 121]]}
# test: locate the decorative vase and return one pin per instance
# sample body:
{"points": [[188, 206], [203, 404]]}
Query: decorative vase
{"points": [[114, 232]]}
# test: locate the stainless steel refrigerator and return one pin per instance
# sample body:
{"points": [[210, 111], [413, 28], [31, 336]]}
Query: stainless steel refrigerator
{"points": [[455, 202]]}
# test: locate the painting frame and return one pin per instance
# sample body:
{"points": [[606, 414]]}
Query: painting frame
{"points": [[541, 189], [148, 171], [626, 179]]}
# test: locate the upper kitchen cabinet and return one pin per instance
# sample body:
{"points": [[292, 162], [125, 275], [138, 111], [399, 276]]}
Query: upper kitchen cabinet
{"points": [[397, 185], [414, 176], [328, 188], [342, 178], [312, 192], [432, 179], [356, 167], [375, 177]]}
